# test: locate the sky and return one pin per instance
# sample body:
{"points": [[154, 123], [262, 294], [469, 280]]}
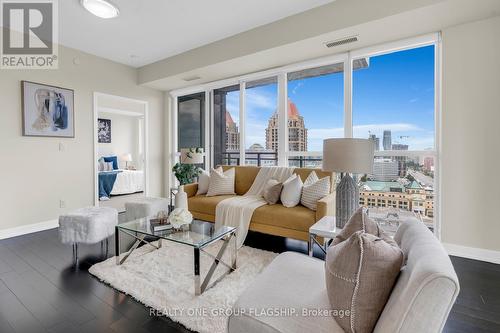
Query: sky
{"points": [[395, 92]]}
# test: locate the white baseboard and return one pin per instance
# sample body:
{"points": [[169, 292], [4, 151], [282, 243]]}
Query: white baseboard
{"points": [[473, 253], [28, 229]]}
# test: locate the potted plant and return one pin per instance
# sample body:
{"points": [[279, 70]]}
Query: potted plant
{"points": [[186, 171]]}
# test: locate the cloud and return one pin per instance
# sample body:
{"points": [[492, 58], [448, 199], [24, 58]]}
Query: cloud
{"points": [[413, 100], [259, 100], [297, 87]]}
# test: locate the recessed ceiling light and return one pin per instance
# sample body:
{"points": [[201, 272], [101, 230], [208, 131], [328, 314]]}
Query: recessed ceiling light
{"points": [[101, 8]]}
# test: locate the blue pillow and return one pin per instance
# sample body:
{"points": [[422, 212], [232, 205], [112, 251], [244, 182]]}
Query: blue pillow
{"points": [[113, 159]]}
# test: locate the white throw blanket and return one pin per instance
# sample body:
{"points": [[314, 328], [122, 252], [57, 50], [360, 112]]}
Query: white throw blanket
{"points": [[237, 211]]}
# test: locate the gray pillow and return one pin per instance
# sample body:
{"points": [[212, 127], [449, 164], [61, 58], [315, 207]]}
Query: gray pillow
{"points": [[272, 191], [360, 274]]}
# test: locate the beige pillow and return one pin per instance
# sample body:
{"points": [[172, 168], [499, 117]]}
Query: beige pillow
{"points": [[360, 221], [221, 183], [360, 274], [272, 191], [314, 190]]}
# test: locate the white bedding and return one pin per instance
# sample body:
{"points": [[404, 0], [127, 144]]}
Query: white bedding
{"points": [[128, 181]]}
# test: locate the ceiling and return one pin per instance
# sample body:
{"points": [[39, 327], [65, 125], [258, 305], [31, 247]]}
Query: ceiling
{"points": [[148, 31]]}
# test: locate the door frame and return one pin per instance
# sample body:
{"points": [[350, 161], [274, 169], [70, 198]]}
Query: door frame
{"points": [[145, 162]]}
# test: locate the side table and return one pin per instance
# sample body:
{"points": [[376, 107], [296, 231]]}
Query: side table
{"points": [[325, 228]]}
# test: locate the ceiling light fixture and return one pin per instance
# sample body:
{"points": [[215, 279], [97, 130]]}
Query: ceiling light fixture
{"points": [[101, 8]]}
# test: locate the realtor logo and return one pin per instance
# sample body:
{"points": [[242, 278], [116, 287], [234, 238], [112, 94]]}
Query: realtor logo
{"points": [[29, 34]]}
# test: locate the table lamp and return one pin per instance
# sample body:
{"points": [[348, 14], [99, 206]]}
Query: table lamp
{"points": [[192, 156], [347, 156], [126, 158]]}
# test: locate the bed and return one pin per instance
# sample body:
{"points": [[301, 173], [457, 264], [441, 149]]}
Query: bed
{"points": [[119, 182]]}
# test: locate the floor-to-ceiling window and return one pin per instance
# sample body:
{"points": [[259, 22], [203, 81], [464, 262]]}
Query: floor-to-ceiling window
{"points": [[226, 128], [261, 122], [315, 110], [191, 121], [393, 104], [384, 93]]}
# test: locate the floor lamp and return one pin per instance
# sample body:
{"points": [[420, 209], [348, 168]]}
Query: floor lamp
{"points": [[347, 156]]}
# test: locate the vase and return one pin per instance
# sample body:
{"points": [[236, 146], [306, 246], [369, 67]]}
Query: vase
{"points": [[181, 198]]}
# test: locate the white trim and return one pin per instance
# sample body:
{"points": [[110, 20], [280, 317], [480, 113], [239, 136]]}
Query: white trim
{"points": [[473, 253], [282, 119], [438, 82], [243, 87], [121, 112], [28, 229], [207, 116], [145, 162], [348, 125], [212, 131], [318, 62]]}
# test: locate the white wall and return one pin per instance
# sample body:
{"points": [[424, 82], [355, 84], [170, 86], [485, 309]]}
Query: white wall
{"points": [[124, 138], [34, 174], [471, 135]]}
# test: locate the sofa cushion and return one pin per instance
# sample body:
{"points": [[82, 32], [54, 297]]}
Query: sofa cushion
{"points": [[303, 173], [293, 282], [272, 191], [221, 183], [314, 190], [297, 218], [204, 204], [204, 181], [292, 191], [360, 273], [360, 221]]}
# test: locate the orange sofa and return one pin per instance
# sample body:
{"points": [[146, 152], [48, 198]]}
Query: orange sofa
{"points": [[276, 219]]}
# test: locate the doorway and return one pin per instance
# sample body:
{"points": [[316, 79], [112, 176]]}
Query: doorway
{"points": [[120, 150]]}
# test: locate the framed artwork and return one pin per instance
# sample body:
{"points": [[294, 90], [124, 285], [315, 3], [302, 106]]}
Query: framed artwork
{"points": [[47, 110], [104, 130]]}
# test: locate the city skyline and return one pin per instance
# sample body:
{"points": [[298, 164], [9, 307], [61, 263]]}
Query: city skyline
{"points": [[395, 92]]}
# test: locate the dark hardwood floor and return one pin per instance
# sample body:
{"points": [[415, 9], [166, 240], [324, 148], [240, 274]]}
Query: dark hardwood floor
{"points": [[40, 291]]}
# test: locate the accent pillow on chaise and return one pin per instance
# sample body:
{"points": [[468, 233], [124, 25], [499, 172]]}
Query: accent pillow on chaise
{"points": [[314, 190], [292, 191], [221, 183], [360, 274]]}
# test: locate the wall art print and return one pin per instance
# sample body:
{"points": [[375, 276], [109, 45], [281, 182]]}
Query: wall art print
{"points": [[48, 111]]}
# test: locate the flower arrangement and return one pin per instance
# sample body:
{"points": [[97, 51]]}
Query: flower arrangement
{"points": [[179, 217]]}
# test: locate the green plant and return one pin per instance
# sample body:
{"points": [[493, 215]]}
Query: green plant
{"points": [[186, 173]]}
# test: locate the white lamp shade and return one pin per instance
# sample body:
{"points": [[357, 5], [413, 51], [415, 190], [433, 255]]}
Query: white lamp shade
{"points": [[348, 155], [127, 157], [190, 156]]}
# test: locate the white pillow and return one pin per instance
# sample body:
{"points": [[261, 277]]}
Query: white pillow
{"points": [[109, 166], [204, 181], [221, 183], [314, 190], [291, 192]]}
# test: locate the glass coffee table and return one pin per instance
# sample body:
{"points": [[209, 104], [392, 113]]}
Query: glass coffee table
{"points": [[198, 235]]}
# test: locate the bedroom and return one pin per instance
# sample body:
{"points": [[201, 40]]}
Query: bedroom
{"points": [[120, 153]]}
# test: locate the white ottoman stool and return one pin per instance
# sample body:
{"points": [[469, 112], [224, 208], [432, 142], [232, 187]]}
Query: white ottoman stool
{"points": [[143, 207], [89, 225]]}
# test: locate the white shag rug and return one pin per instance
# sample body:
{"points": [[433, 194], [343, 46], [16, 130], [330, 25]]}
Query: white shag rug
{"points": [[164, 280]]}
